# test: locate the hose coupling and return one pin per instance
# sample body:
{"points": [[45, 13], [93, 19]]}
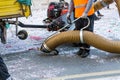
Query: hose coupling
{"points": [[44, 48]]}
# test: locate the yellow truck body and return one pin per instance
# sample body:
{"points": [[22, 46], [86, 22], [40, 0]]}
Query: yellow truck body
{"points": [[13, 9]]}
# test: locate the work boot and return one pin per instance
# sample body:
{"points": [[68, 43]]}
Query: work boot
{"points": [[83, 52], [96, 17], [76, 44], [10, 78], [100, 15]]}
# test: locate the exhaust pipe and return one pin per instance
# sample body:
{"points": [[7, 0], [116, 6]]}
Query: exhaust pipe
{"points": [[74, 36]]}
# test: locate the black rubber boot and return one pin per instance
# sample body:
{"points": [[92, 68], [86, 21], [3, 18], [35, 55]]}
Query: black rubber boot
{"points": [[83, 53]]}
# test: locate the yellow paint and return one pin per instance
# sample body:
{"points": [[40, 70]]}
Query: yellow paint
{"points": [[12, 8]]}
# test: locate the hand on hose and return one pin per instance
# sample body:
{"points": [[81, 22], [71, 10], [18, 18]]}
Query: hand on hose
{"points": [[68, 18], [84, 15]]}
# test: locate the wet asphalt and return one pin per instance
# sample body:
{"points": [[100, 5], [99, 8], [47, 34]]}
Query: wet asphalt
{"points": [[35, 65]]}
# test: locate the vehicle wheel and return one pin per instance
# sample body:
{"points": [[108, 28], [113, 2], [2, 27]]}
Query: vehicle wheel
{"points": [[22, 34]]}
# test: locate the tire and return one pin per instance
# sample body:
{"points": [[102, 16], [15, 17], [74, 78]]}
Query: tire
{"points": [[22, 34]]}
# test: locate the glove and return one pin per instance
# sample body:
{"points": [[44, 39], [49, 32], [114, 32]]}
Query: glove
{"points": [[84, 15], [68, 18]]}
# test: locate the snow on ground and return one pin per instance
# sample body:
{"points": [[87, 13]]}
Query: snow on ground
{"points": [[107, 26], [36, 36]]}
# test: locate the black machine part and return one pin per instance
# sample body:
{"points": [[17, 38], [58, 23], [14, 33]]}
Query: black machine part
{"points": [[54, 10], [55, 25], [22, 34]]}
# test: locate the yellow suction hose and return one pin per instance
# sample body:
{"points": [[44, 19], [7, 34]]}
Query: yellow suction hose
{"points": [[101, 4], [88, 37], [84, 36]]}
